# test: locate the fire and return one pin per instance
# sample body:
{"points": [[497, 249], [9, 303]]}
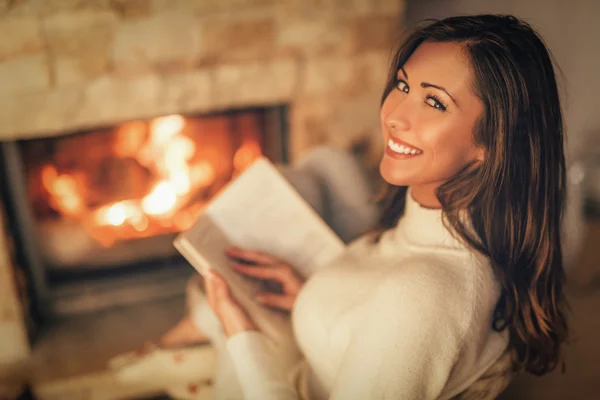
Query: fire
{"points": [[66, 198], [173, 196], [245, 155], [118, 213], [160, 200]]}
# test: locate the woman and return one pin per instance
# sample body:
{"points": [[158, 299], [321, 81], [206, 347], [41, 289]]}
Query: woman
{"points": [[462, 285]]}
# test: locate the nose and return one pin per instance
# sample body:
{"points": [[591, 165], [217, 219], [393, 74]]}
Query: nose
{"points": [[396, 125], [396, 116]]}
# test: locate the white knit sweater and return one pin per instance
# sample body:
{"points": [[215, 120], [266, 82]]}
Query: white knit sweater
{"points": [[406, 318]]}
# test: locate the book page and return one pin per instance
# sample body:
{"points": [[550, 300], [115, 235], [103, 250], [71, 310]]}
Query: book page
{"points": [[204, 247], [261, 211]]}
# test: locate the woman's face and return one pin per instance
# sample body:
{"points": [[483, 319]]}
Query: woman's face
{"points": [[428, 121]]}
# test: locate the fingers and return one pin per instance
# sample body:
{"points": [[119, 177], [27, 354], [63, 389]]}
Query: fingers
{"points": [[233, 318], [277, 301], [283, 274], [276, 273], [252, 256], [216, 289], [210, 292]]}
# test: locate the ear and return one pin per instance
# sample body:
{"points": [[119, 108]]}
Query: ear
{"points": [[479, 155]]}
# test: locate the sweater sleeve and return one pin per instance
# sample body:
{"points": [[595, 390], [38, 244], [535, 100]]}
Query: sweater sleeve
{"points": [[261, 375], [408, 343]]}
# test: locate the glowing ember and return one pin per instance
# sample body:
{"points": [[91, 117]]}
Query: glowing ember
{"points": [[245, 155], [115, 214], [66, 199], [161, 200], [203, 174], [118, 213], [163, 128]]}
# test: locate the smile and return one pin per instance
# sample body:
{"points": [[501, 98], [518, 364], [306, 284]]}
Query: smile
{"points": [[399, 149]]}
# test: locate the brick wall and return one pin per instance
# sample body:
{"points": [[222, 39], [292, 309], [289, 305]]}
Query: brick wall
{"points": [[70, 64]]}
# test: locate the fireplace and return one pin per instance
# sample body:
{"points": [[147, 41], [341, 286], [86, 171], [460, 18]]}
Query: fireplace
{"points": [[94, 213]]}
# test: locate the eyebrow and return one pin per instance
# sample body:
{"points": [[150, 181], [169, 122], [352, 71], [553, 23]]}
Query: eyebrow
{"points": [[426, 85]]}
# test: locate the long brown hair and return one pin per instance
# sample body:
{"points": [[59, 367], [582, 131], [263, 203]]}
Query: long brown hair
{"points": [[515, 197]]}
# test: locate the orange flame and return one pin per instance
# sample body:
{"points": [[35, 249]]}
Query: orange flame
{"points": [[171, 202], [66, 197]]}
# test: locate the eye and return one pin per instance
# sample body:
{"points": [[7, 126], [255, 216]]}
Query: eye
{"points": [[402, 86], [435, 102]]}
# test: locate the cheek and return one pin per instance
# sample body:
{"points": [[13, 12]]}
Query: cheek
{"points": [[437, 135], [450, 147]]}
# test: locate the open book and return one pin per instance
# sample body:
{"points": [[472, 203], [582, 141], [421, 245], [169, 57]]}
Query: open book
{"points": [[259, 210]]}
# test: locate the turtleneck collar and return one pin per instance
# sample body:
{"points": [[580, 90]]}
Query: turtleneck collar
{"points": [[424, 227]]}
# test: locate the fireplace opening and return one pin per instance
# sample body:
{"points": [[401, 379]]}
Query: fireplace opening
{"points": [[94, 213]]}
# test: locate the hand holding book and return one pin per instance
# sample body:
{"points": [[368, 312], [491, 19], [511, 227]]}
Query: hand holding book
{"points": [[266, 267], [260, 211], [257, 265], [233, 317]]}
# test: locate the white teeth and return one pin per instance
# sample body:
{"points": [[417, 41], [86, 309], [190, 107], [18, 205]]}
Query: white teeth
{"points": [[398, 148]]}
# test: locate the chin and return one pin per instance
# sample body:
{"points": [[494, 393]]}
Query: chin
{"points": [[392, 174]]}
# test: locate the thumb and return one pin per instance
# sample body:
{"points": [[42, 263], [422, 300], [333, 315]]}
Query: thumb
{"points": [[216, 289], [220, 286]]}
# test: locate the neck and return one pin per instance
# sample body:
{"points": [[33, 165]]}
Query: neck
{"points": [[423, 225], [425, 196]]}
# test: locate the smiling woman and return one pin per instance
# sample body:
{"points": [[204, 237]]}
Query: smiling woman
{"points": [[461, 285], [496, 163]]}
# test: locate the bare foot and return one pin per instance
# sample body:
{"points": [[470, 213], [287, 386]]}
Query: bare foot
{"points": [[184, 333]]}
